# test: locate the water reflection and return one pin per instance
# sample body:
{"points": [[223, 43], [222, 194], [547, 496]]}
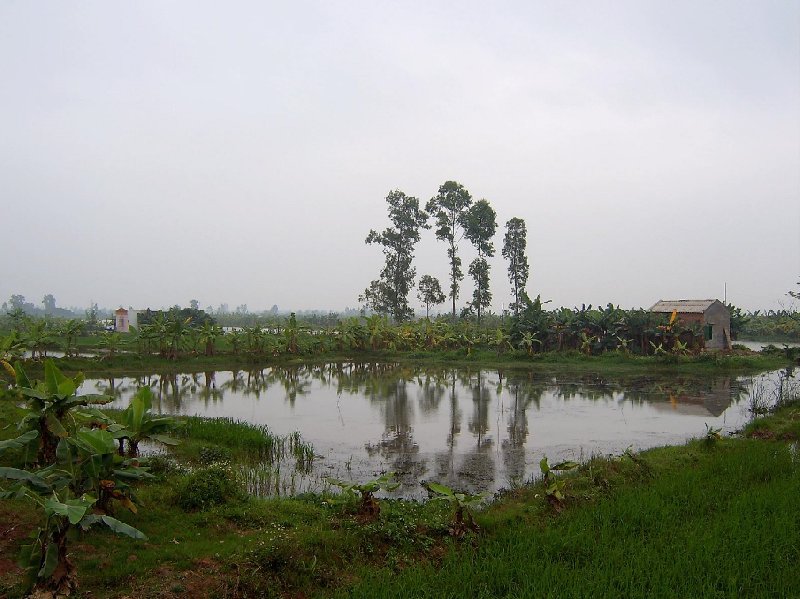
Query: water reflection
{"points": [[471, 428]]}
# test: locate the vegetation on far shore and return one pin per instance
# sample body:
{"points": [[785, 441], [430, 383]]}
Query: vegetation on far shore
{"points": [[610, 339]]}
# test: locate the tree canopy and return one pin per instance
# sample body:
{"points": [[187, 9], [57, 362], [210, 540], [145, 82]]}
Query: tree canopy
{"points": [[389, 293], [430, 293], [514, 245], [480, 224], [448, 208]]}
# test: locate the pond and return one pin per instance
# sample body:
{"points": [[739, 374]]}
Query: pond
{"points": [[469, 428]]}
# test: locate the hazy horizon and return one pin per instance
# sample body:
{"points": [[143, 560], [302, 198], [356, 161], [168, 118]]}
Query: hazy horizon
{"points": [[153, 153]]}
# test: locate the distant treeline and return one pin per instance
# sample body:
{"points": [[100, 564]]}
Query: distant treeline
{"points": [[772, 325]]}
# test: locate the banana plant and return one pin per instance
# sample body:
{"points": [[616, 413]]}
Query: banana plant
{"points": [[369, 508], [463, 505], [291, 334], [658, 349], [38, 337], [377, 327], [587, 342], [74, 489], [209, 333], [111, 342], [501, 341], [10, 348], [50, 403], [236, 338], [177, 329], [137, 423], [563, 322], [554, 487], [528, 342], [156, 331], [712, 435], [91, 456], [59, 490], [70, 330], [680, 349]]}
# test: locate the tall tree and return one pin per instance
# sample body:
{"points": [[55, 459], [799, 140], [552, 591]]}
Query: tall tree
{"points": [[389, 293], [17, 302], [480, 224], [794, 314], [448, 208], [430, 293], [92, 316], [514, 245], [49, 303]]}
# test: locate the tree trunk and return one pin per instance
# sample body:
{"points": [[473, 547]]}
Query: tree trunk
{"points": [[63, 581]]}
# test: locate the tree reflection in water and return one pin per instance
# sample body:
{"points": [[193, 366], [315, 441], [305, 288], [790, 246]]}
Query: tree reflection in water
{"points": [[502, 405]]}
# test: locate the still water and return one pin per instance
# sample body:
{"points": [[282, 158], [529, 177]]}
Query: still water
{"points": [[470, 428]]}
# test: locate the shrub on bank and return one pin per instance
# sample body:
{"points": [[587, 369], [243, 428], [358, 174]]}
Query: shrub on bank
{"points": [[216, 484]]}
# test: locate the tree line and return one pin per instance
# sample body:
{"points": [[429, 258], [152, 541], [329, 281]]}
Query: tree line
{"points": [[456, 217], [587, 330]]}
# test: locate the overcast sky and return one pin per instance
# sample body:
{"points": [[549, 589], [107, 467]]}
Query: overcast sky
{"points": [[239, 152]]}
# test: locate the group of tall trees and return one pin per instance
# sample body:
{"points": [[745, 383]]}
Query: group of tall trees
{"points": [[18, 304], [456, 217]]}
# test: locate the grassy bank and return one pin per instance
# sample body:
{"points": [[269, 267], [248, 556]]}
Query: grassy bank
{"points": [[712, 518], [612, 363], [718, 522]]}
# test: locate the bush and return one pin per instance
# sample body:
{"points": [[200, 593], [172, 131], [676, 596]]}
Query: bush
{"points": [[213, 485], [212, 454], [162, 465]]}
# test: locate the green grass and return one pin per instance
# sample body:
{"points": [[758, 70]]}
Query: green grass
{"points": [[719, 523], [247, 441], [717, 520]]}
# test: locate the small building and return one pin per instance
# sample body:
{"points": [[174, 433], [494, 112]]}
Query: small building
{"points": [[711, 314], [133, 316], [121, 322]]}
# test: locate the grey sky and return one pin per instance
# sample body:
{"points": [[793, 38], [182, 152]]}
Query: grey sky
{"points": [[239, 152]]}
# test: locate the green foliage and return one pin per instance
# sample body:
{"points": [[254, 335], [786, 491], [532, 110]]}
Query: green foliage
{"points": [[480, 224], [78, 470], [389, 294], [213, 485], [531, 327], [514, 246], [463, 505], [11, 348], [137, 423], [772, 325], [368, 506], [430, 293], [49, 403], [554, 487], [212, 454], [712, 436], [70, 329], [739, 320], [39, 335], [111, 342], [244, 439], [448, 208], [724, 527]]}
